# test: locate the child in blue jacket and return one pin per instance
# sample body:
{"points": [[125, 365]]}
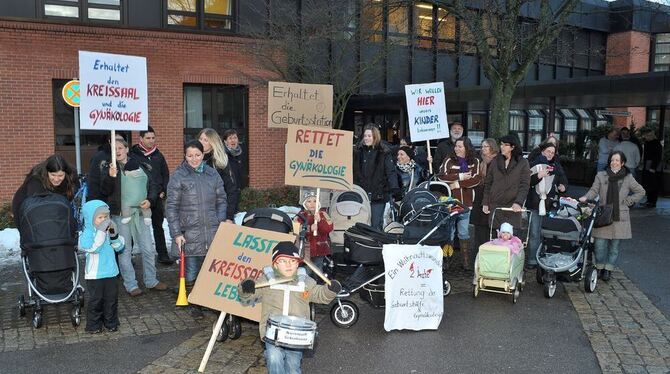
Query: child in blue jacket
{"points": [[100, 239]]}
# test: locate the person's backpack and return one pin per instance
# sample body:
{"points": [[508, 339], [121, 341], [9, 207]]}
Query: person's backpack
{"points": [[47, 220]]}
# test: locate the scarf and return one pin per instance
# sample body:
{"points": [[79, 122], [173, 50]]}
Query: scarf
{"points": [[406, 168], [463, 164], [200, 168], [613, 190], [145, 150], [234, 151]]}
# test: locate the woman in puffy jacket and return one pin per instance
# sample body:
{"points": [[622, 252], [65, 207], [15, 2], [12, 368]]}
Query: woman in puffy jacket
{"points": [[195, 205], [462, 171]]}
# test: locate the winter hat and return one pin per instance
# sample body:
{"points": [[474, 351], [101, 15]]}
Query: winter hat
{"points": [[285, 249], [131, 164], [305, 196], [506, 227], [408, 151], [102, 209]]}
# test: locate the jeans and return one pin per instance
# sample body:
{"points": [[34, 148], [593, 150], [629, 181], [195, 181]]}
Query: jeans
{"points": [[607, 252], [534, 238], [192, 267], [377, 214], [462, 226], [282, 360], [139, 233]]}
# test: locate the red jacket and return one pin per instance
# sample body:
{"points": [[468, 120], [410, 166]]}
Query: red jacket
{"points": [[319, 245]]}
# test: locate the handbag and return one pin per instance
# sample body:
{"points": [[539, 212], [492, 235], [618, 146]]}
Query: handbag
{"points": [[604, 216]]}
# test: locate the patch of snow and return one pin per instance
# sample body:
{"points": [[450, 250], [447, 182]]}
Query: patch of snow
{"points": [[10, 248]]}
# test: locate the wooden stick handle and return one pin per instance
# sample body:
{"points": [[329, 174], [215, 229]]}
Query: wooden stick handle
{"points": [[317, 208], [317, 271], [112, 143], [430, 164], [212, 341], [273, 282]]}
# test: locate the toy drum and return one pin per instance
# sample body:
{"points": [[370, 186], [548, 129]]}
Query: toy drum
{"points": [[290, 332]]}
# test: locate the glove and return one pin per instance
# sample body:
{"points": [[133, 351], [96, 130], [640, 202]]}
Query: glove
{"points": [[104, 225], [248, 286], [335, 286], [397, 194], [113, 233]]}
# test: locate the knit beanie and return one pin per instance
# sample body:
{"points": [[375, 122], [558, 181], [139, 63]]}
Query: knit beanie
{"points": [[506, 227], [285, 249], [408, 151], [306, 195]]}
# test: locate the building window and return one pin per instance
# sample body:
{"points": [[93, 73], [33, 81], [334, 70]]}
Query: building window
{"points": [[64, 130], [535, 128], [201, 14], [477, 122], [372, 21], [585, 121], [662, 52], [220, 107], [517, 119], [569, 131], [423, 23], [446, 31], [84, 10]]}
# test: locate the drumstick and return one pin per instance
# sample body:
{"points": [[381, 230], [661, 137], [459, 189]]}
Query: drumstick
{"points": [[316, 271], [273, 282]]}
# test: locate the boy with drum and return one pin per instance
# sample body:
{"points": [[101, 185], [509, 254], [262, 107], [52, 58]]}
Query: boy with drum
{"points": [[301, 291]]}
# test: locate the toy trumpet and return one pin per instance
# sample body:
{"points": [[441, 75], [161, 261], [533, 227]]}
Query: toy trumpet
{"points": [[182, 300]]}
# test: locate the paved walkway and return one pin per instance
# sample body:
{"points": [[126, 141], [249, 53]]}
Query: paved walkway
{"points": [[628, 334]]}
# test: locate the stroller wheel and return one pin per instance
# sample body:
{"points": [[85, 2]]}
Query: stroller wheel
{"points": [[235, 328], [515, 295], [22, 306], [446, 288], [79, 298], [75, 315], [539, 275], [37, 319], [550, 288], [344, 314], [223, 333], [475, 290], [591, 279]]}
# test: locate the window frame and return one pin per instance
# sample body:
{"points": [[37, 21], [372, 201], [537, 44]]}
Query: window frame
{"points": [[83, 7], [656, 54], [201, 17]]}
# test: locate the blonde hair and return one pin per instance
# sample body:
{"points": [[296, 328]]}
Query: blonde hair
{"points": [[219, 156]]}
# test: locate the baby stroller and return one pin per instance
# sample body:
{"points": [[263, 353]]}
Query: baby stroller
{"points": [[265, 219], [363, 246], [48, 232], [346, 209], [497, 269], [566, 252]]}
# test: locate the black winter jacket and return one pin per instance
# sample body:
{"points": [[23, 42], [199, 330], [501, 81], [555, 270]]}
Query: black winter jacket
{"points": [[375, 172], [94, 178], [229, 183], [159, 168], [533, 200]]}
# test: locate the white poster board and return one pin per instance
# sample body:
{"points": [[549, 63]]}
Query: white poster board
{"points": [[413, 288], [426, 111], [113, 92]]}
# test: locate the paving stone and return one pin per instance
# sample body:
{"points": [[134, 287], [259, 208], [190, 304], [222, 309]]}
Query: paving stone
{"points": [[658, 369], [634, 369]]}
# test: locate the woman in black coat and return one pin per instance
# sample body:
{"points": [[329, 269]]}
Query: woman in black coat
{"points": [[51, 175], [216, 157], [375, 173]]}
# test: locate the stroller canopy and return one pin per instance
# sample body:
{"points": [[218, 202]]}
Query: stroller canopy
{"points": [[268, 219]]}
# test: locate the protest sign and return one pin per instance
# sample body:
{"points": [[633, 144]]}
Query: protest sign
{"points": [[413, 287], [113, 92], [426, 111], [319, 157], [236, 253], [299, 104]]}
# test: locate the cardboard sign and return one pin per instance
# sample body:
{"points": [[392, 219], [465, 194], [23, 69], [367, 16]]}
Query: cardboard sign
{"points": [[319, 157], [236, 253], [299, 104], [113, 92], [413, 288], [426, 111]]}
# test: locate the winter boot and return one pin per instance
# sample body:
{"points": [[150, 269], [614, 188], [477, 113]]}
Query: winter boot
{"points": [[465, 252]]}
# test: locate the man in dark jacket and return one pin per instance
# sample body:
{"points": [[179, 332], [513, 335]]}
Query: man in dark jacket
{"points": [[147, 151], [445, 147], [652, 171]]}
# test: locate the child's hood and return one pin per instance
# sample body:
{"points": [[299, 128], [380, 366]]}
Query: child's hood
{"points": [[87, 212]]}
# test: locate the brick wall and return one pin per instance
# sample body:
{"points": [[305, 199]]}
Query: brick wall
{"points": [[627, 53], [33, 54]]}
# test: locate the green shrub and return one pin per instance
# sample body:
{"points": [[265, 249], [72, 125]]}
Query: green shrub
{"points": [[6, 218], [264, 197]]}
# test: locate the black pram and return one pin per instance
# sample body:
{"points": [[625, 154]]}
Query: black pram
{"points": [[48, 232]]}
